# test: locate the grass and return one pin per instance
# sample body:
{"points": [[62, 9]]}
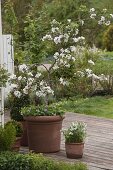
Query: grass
{"points": [[96, 106]]}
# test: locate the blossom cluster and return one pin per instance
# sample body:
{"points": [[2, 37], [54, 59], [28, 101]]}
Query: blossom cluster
{"points": [[104, 19]]}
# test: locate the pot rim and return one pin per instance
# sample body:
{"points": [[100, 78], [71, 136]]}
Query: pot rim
{"points": [[53, 118], [80, 143]]}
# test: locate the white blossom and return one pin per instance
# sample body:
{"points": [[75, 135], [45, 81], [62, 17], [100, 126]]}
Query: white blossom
{"points": [[104, 9], [69, 20], [92, 10], [17, 94], [66, 37], [13, 86], [111, 15], [47, 37], [12, 77], [20, 78], [25, 90], [57, 40], [91, 62], [38, 75], [92, 16], [107, 23], [23, 68], [55, 67], [64, 83], [102, 18], [73, 48], [54, 29], [30, 74], [56, 55], [81, 73]]}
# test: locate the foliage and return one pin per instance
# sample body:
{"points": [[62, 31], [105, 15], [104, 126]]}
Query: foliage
{"points": [[3, 77], [41, 111], [108, 38], [18, 127], [100, 106], [9, 160], [7, 137], [76, 133]]}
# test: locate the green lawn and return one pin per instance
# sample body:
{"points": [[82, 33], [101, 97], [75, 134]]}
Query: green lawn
{"points": [[97, 106]]}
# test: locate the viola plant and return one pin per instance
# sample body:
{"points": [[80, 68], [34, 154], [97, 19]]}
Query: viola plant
{"points": [[76, 133]]}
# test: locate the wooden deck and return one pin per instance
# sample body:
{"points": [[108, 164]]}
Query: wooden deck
{"points": [[98, 151]]}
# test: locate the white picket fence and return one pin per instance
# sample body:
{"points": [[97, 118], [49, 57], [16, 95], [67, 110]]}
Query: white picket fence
{"points": [[7, 61]]}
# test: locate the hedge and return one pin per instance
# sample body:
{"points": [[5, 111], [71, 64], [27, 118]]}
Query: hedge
{"points": [[16, 161]]}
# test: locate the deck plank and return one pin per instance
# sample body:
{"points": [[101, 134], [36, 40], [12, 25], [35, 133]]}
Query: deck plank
{"points": [[98, 151]]}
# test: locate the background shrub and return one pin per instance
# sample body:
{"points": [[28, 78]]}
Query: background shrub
{"points": [[108, 38], [7, 137]]}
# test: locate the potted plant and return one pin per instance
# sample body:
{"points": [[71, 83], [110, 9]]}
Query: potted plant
{"points": [[44, 128], [74, 140], [19, 131]]}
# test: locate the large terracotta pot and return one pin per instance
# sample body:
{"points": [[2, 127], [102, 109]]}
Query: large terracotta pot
{"points": [[74, 150], [44, 133], [24, 139]]}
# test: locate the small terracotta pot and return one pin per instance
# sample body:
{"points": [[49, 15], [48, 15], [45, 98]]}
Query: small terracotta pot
{"points": [[24, 139], [44, 133], [74, 150], [16, 145]]}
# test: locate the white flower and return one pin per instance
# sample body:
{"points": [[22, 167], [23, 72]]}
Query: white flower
{"points": [[88, 71], [30, 81], [20, 78], [92, 10], [73, 58], [57, 40], [81, 38], [42, 83], [92, 16], [64, 83], [73, 48], [95, 76], [82, 22], [56, 55], [81, 73], [67, 65], [54, 22], [69, 20], [54, 29], [23, 68], [111, 15], [47, 37], [102, 77], [38, 75], [30, 74], [102, 18], [104, 9], [40, 94], [107, 23], [12, 77], [55, 67], [25, 90], [13, 86], [17, 94], [91, 62], [100, 22], [75, 40], [66, 37], [76, 32]]}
